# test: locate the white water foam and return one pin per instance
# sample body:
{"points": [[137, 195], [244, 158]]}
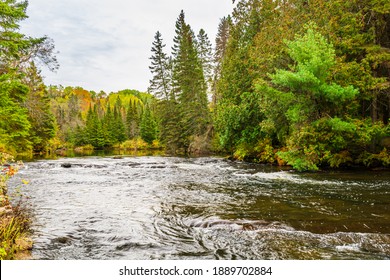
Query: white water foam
{"points": [[295, 178]]}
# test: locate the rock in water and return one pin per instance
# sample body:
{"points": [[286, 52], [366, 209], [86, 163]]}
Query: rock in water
{"points": [[66, 165]]}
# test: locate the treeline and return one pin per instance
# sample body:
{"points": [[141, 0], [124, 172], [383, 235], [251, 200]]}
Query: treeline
{"points": [[181, 82], [37, 118], [101, 120], [304, 83], [26, 121]]}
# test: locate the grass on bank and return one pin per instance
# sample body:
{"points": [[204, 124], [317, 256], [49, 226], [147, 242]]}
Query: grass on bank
{"points": [[14, 220]]}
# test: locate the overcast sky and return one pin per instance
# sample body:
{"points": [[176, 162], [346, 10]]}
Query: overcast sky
{"points": [[105, 44]]}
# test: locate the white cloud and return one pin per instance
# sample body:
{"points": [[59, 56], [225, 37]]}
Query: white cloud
{"points": [[105, 44]]}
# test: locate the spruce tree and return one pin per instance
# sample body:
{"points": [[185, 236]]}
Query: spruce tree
{"points": [[108, 126], [183, 114], [221, 42], [160, 84], [16, 52], [132, 121], [38, 105], [148, 126], [94, 129], [189, 84], [205, 55], [118, 125]]}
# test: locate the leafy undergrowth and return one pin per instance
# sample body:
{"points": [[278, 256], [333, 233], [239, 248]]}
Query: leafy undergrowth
{"points": [[14, 220]]}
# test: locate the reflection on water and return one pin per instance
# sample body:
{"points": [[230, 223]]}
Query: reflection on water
{"points": [[71, 153], [203, 208]]}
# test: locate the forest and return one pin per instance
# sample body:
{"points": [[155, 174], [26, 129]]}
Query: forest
{"points": [[293, 82]]}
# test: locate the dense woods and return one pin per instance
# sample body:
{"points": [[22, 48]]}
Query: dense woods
{"points": [[303, 83], [300, 83], [306, 83]]}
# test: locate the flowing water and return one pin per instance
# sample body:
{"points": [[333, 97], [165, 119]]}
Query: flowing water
{"points": [[141, 208]]}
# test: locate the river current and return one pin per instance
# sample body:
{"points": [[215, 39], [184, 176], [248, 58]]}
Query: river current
{"points": [[142, 208]]}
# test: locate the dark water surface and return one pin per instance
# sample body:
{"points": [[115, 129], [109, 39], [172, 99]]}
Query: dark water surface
{"points": [[203, 208]]}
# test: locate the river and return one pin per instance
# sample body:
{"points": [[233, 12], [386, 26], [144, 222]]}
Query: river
{"points": [[155, 207]]}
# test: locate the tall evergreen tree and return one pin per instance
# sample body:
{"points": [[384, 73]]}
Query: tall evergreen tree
{"points": [[108, 126], [148, 126], [221, 42], [38, 105], [14, 123], [160, 84], [16, 53], [94, 129], [118, 125], [189, 82], [237, 75], [132, 120], [205, 55]]}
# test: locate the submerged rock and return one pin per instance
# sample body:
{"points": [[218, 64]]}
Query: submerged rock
{"points": [[66, 165]]}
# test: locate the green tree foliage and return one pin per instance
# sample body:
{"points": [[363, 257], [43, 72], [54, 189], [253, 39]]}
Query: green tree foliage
{"points": [[221, 42], [132, 121], [148, 126], [119, 130], [94, 129], [14, 123], [205, 54], [235, 76], [17, 52], [103, 121], [189, 83], [160, 84], [184, 113], [37, 103], [328, 102], [309, 102]]}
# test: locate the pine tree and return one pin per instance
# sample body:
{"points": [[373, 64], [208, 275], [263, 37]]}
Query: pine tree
{"points": [[108, 126], [237, 74], [16, 53], [183, 114], [37, 103], [94, 129], [221, 42], [132, 121], [14, 123], [148, 126], [160, 84], [189, 84], [169, 121], [118, 125], [205, 54]]}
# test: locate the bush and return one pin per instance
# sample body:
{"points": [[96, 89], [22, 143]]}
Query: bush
{"points": [[134, 144], [14, 222]]}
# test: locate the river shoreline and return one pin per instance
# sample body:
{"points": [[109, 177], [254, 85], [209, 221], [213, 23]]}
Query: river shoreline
{"points": [[16, 239], [122, 152], [132, 207]]}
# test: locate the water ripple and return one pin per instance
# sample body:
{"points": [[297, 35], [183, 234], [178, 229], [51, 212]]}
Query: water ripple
{"points": [[203, 208]]}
